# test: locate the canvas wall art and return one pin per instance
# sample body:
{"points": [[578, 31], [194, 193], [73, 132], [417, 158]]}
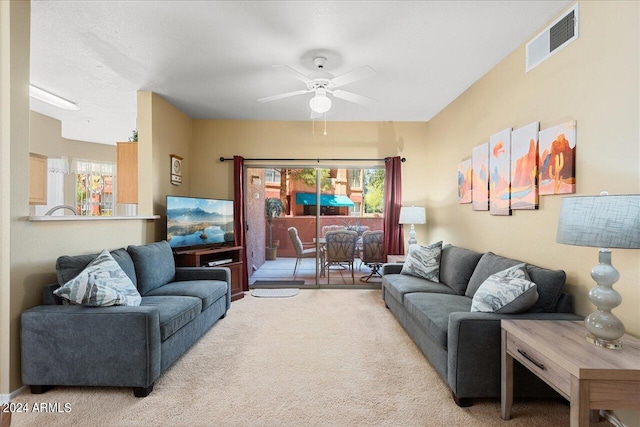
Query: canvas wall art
{"points": [[524, 167], [500, 173], [557, 160], [480, 177], [464, 181]]}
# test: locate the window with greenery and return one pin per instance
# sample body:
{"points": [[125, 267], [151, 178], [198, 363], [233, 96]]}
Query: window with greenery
{"points": [[95, 188], [373, 194]]}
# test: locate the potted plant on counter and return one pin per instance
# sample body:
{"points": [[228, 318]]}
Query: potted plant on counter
{"points": [[273, 208]]}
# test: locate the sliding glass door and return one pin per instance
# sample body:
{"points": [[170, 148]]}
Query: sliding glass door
{"points": [[289, 212]]}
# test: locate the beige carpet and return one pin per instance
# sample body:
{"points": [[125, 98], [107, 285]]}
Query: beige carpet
{"points": [[321, 358]]}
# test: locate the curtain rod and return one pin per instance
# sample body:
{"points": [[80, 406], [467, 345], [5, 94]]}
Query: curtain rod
{"points": [[222, 159]]}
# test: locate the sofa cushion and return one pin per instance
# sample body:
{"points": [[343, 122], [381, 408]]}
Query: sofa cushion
{"points": [[400, 284], [102, 283], [432, 312], [68, 267], [549, 283], [209, 291], [154, 265], [456, 267], [507, 291], [174, 312], [423, 261]]}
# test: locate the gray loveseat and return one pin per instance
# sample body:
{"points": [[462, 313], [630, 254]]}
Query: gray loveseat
{"points": [[122, 346], [463, 346]]}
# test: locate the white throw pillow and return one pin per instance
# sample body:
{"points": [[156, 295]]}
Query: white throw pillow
{"points": [[102, 283], [423, 261], [507, 291]]}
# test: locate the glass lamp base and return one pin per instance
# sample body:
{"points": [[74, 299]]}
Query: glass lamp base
{"points": [[610, 344]]}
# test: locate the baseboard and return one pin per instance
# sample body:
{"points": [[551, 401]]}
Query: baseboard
{"points": [[607, 415], [4, 398]]}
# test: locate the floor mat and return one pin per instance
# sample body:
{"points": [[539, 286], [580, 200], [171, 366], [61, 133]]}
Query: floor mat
{"points": [[275, 293]]}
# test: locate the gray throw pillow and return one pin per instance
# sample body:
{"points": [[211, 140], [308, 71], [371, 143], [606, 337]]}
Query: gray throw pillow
{"points": [[102, 283], [423, 261], [508, 291]]}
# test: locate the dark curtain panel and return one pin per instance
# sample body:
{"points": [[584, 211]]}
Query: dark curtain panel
{"points": [[393, 235], [238, 214]]}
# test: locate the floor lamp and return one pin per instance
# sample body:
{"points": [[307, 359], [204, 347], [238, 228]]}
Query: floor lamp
{"points": [[412, 215], [603, 222]]}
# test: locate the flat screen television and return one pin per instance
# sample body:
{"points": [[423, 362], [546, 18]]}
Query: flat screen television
{"points": [[196, 222]]}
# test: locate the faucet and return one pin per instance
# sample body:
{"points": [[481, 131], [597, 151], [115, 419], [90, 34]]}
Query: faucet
{"points": [[55, 208]]}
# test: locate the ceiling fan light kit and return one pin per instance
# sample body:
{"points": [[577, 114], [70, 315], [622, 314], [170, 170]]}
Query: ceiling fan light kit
{"points": [[322, 83], [320, 103]]}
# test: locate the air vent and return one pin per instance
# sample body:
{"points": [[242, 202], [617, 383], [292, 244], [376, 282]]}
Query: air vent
{"points": [[552, 39]]}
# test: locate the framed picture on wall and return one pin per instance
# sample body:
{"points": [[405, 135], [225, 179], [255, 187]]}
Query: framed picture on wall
{"points": [[524, 167], [500, 173], [557, 159], [176, 169], [480, 177], [464, 181]]}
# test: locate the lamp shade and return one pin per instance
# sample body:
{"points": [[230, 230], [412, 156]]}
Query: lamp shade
{"points": [[600, 221], [412, 215]]}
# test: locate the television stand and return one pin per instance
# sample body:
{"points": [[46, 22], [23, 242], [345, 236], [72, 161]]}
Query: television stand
{"points": [[225, 256]]}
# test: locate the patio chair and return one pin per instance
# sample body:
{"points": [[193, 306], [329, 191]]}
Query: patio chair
{"points": [[340, 249], [373, 252], [301, 252], [328, 228]]}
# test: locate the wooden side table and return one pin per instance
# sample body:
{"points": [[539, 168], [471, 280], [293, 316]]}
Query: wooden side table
{"points": [[396, 258], [590, 377]]}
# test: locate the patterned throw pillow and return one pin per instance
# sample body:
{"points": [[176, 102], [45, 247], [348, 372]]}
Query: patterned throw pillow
{"points": [[423, 261], [507, 291], [102, 283]]}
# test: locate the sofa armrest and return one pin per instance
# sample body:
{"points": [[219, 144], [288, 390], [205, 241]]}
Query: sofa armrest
{"points": [[90, 346], [391, 268], [206, 273], [474, 347]]}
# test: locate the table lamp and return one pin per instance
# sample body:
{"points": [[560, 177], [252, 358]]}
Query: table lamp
{"points": [[603, 222], [412, 215]]}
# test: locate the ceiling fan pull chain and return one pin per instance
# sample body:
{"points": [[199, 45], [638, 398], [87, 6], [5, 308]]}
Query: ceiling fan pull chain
{"points": [[325, 122]]}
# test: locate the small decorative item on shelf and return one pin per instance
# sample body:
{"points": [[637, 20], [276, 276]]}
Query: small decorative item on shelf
{"points": [[134, 136], [176, 169]]}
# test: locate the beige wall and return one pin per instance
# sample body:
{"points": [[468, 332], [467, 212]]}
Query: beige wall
{"points": [[163, 130], [594, 81], [213, 139]]}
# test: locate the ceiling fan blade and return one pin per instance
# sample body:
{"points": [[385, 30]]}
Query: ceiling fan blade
{"points": [[353, 97], [293, 73], [360, 73], [284, 95]]}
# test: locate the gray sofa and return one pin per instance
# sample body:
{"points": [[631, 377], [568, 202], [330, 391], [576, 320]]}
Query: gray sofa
{"points": [[122, 346], [463, 346]]}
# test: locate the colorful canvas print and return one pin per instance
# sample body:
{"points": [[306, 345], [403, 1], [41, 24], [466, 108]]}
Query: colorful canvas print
{"points": [[500, 173], [464, 181], [557, 161], [480, 177], [524, 167]]}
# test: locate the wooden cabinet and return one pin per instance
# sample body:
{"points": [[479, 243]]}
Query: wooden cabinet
{"points": [[127, 172], [227, 256], [37, 179]]}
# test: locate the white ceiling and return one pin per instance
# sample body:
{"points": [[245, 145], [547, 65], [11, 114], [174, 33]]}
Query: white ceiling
{"points": [[213, 59]]}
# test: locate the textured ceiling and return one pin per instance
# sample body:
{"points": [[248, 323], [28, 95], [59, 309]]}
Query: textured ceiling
{"points": [[213, 59]]}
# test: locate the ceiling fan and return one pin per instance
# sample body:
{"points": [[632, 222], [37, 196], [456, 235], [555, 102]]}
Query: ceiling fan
{"points": [[322, 83]]}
